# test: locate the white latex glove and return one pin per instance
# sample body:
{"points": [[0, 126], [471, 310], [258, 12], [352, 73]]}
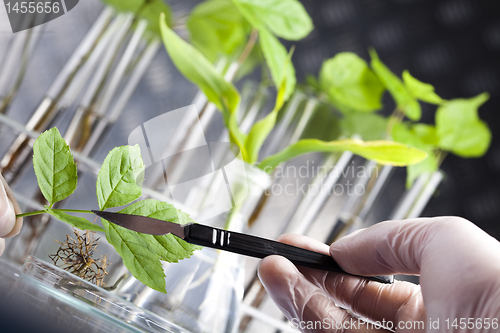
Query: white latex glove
{"points": [[458, 264], [9, 225]]}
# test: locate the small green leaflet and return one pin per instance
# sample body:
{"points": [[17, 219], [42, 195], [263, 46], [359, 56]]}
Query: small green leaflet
{"points": [[459, 128], [349, 82], [285, 18], [54, 166], [75, 221], [370, 126], [142, 253], [216, 26], [383, 152], [120, 178], [422, 91], [408, 104], [276, 57], [401, 133]]}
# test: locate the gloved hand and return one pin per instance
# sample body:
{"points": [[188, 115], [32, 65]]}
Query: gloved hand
{"points": [[458, 264], [9, 224]]}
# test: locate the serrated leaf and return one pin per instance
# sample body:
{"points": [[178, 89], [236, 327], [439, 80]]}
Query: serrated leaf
{"points": [[383, 152], [404, 101], [420, 90], [54, 166], [141, 253], [217, 26], [369, 126], [349, 82], [197, 69], [276, 58], [75, 221], [401, 133], [459, 128], [285, 18], [120, 178]]}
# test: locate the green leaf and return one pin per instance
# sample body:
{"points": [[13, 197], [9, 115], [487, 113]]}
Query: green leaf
{"points": [[54, 166], [459, 128], [276, 58], [348, 81], [401, 133], [196, 68], [152, 12], [75, 221], [142, 253], [383, 152], [285, 18], [369, 126], [427, 133], [422, 91], [216, 26], [404, 101], [258, 134], [149, 10], [120, 178]]}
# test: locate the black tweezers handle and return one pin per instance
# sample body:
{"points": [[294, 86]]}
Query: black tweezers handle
{"points": [[260, 247]]}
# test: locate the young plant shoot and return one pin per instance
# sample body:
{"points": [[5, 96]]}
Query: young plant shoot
{"points": [[198, 69], [347, 83], [118, 184]]}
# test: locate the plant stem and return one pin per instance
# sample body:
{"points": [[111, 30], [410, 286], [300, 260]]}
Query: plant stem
{"points": [[440, 156], [74, 211], [395, 118], [38, 212], [248, 48]]}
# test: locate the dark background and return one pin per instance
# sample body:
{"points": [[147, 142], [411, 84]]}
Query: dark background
{"points": [[452, 44]]}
